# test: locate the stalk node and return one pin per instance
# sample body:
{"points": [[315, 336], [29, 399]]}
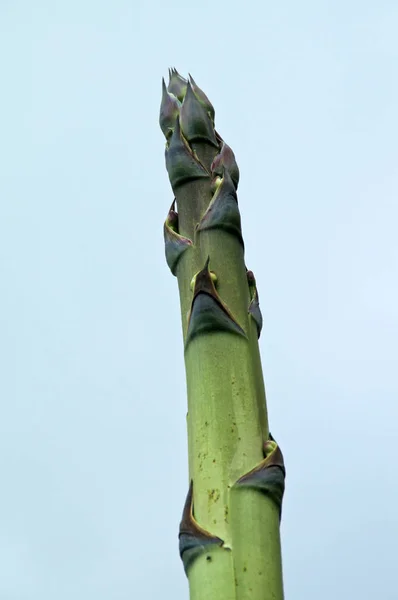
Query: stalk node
{"points": [[223, 211], [208, 312], [193, 539], [268, 477]]}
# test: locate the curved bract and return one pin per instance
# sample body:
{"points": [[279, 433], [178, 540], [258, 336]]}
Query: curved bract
{"points": [[174, 243], [229, 533]]}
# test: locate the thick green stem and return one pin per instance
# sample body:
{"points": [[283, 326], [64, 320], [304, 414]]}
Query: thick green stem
{"points": [[229, 534]]}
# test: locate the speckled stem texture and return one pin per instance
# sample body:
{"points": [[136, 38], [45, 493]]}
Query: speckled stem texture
{"points": [[229, 533]]}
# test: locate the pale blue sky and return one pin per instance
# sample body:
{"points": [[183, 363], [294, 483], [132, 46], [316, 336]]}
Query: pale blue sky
{"points": [[92, 417]]}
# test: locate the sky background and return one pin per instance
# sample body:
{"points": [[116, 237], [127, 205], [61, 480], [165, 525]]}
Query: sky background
{"points": [[93, 457]]}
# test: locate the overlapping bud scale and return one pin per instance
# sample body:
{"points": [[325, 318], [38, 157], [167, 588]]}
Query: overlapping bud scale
{"points": [[187, 117], [195, 121]]}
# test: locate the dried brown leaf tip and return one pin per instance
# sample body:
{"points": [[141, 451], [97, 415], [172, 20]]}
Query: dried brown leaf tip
{"points": [[208, 312], [193, 539]]}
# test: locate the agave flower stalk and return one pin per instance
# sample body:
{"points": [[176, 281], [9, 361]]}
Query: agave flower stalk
{"points": [[229, 533]]}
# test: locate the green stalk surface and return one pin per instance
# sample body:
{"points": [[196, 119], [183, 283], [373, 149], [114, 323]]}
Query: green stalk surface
{"points": [[229, 533]]}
